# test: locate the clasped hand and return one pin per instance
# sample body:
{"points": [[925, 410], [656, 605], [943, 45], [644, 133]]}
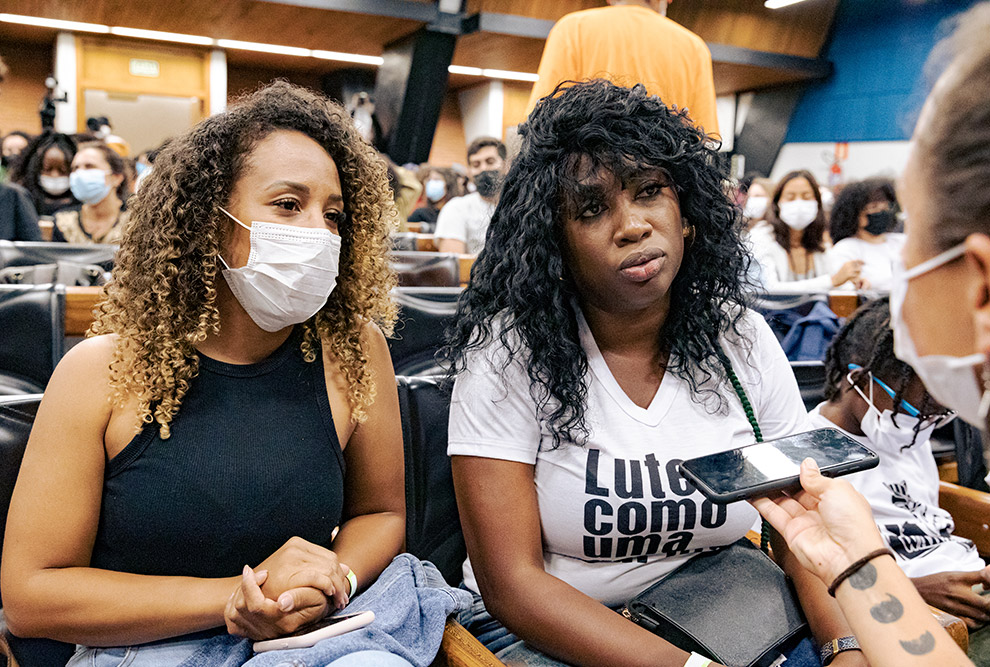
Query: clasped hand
{"points": [[298, 584]]}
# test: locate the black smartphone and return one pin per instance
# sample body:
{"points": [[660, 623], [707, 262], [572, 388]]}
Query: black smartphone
{"points": [[764, 467]]}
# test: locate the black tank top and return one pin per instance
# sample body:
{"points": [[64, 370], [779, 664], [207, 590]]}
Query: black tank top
{"points": [[253, 460]]}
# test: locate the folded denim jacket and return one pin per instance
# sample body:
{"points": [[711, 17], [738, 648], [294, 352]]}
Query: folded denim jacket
{"points": [[411, 602]]}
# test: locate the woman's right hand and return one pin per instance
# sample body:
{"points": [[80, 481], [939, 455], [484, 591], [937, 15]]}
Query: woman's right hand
{"points": [[299, 564], [827, 525], [250, 614], [848, 271]]}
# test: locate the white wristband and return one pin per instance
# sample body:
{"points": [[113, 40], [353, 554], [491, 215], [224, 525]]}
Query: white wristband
{"points": [[352, 580], [697, 660]]}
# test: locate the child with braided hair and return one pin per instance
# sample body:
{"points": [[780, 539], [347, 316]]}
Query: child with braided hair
{"points": [[879, 401]]}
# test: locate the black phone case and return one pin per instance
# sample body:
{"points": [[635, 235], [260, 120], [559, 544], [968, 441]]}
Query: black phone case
{"points": [[785, 483]]}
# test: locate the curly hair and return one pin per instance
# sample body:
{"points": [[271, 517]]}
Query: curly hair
{"points": [[853, 198], [868, 341], [161, 300], [813, 238], [27, 169], [520, 291]]}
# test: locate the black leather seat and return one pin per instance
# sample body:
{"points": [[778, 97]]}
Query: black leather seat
{"points": [[29, 253], [17, 415], [419, 333], [433, 527], [427, 269], [32, 322], [810, 376]]}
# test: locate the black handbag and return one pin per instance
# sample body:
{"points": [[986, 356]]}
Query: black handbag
{"points": [[734, 605]]}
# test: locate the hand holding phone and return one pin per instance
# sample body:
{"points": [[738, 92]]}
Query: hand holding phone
{"points": [[308, 635], [762, 468]]}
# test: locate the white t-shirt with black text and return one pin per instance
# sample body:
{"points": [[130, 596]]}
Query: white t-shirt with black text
{"points": [[616, 514], [465, 219], [903, 492]]}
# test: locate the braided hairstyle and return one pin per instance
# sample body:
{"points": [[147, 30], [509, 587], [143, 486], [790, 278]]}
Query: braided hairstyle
{"points": [[868, 341]]}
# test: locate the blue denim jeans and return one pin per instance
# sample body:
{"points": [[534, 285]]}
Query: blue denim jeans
{"points": [[513, 651], [169, 653]]}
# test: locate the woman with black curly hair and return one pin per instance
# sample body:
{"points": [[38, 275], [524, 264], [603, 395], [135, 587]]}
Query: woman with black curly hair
{"points": [[861, 226], [43, 170], [593, 351], [186, 473]]}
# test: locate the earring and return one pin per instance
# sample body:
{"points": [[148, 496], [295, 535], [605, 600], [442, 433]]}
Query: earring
{"points": [[688, 233]]}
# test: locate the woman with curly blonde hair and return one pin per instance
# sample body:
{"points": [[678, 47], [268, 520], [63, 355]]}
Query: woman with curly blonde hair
{"points": [[236, 404]]}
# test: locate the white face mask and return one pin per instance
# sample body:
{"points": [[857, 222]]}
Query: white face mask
{"points": [[890, 437], [799, 213], [54, 185], [289, 275], [756, 207], [950, 380]]}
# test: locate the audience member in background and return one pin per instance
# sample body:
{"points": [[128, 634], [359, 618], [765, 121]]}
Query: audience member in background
{"points": [[99, 181], [239, 406], [631, 42], [791, 249], [10, 149], [43, 170], [101, 130], [596, 334], [405, 188], [861, 224], [757, 203], [463, 222], [939, 315], [18, 219], [144, 163], [439, 187], [879, 401]]}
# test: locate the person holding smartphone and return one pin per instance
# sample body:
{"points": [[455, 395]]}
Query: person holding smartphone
{"points": [[591, 355], [940, 316], [225, 455]]}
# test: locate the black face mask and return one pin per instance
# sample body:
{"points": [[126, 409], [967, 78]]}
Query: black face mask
{"points": [[880, 223], [488, 182]]}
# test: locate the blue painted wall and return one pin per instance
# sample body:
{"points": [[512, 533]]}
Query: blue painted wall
{"points": [[878, 48]]}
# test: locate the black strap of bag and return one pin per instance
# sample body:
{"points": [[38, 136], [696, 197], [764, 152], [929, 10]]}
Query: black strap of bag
{"points": [[757, 433]]}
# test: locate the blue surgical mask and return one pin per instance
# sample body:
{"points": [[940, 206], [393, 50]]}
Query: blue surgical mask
{"points": [[140, 168], [89, 185], [435, 189]]}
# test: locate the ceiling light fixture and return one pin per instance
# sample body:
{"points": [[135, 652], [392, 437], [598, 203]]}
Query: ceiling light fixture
{"points": [[161, 36], [470, 71], [57, 24], [777, 4], [509, 74], [260, 47], [263, 48], [348, 57]]}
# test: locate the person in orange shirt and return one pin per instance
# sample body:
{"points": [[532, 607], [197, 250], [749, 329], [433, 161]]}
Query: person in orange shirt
{"points": [[630, 42]]}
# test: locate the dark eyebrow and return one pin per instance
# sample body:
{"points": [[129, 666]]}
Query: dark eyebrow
{"points": [[302, 189]]}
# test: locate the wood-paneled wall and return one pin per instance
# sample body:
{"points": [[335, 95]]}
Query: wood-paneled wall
{"points": [[516, 97], [21, 92], [800, 30], [449, 143], [244, 78]]}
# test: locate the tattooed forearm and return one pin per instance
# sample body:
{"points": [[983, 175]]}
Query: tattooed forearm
{"points": [[864, 577], [888, 611], [920, 646]]}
